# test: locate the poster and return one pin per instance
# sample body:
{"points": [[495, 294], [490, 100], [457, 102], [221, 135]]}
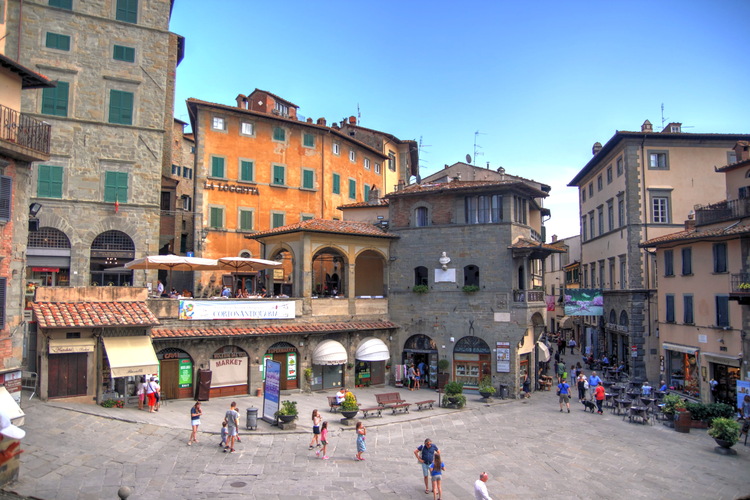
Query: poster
{"points": [[291, 366], [503, 357], [272, 391], [743, 389], [584, 302], [185, 375]]}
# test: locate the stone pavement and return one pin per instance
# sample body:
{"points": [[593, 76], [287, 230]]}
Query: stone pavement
{"points": [[528, 447]]}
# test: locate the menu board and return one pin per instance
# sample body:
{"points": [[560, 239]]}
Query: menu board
{"points": [[185, 375], [291, 366]]}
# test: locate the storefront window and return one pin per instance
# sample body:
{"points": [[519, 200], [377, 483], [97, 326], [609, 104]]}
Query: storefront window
{"points": [[683, 373], [471, 361]]}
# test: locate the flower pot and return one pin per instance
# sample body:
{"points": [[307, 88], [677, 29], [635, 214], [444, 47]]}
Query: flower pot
{"points": [[724, 444], [349, 414], [682, 421], [485, 395], [287, 418]]}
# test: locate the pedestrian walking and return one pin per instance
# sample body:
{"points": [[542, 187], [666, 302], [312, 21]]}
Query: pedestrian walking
{"points": [[417, 378], [425, 454], [594, 379], [361, 447], [316, 419], [195, 421], [157, 394], [232, 418], [572, 345], [526, 386], [324, 440], [581, 383], [141, 392], [599, 395], [224, 434], [563, 390], [480, 488], [424, 373], [151, 394], [560, 371], [436, 475], [412, 377]]}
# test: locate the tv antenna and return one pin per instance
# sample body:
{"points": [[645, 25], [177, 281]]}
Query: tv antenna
{"points": [[420, 150], [476, 146], [663, 118]]}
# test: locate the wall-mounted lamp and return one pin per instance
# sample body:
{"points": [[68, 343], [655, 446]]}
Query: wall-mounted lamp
{"points": [[34, 209], [721, 341], [452, 339]]}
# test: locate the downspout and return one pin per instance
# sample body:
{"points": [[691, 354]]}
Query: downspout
{"points": [[20, 22]]}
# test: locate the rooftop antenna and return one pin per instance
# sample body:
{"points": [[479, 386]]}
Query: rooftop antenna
{"points": [[359, 116], [477, 153], [421, 150], [663, 118]]}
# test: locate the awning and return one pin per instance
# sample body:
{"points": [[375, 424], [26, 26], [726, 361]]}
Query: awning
{"points": [[67, 346], [721, 359], [329, 352], [131, 355], [566, 322], [679, 348], [544, 352], [372, 349]]}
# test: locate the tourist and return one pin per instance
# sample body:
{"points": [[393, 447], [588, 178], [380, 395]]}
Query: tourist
{"points": [[599, 395], [646, 389], [151, 394], [594, 379], [563, 390], [436, 475], [232, 418], [425, 455], [316, 419], [195, 421], [141, 391], [340, 396], [361, 447], [480, 488], [582, 384]]}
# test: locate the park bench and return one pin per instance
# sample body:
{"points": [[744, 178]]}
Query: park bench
{"points": [[389, 398], [427, 404], [333, 404], [398, 407], [375, 410]]}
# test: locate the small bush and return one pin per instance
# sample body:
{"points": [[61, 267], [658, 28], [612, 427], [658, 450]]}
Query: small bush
{"points": [[452, 388], [420, 289]]}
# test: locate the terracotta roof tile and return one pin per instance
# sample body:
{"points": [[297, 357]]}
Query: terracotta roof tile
{"points": [[380, 202], [525, 243], [282, 329], [86, 314], [696, 234], [327, 226], [416, 189]]}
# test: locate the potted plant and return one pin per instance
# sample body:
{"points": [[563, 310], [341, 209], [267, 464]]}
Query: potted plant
{"points": [[287, 412], [674, 409], [725, 431], [454, 394], [486, 389], [470, 288], [443, 375], [349, 406], [420, 289]]}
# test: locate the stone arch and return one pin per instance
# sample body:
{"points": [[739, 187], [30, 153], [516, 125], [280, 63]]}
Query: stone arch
{"points": [[623, 318], [329, 271], [369, 273]]}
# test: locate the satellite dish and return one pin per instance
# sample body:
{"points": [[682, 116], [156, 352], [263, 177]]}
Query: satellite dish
{"points": [[468, 159]]}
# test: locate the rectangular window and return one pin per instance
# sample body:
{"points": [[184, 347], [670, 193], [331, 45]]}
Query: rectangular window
{"points": [[176, 170], [377, 168], [367, 193], [216, 220], [658, 160], [612, 277], [585, 276], [687, 261], [277, 220], [247, 171], [601, 274], [687, 309], [352, 155], [611, 214], [660, 210], [620, 167], [592, 227], [127, 11], [304, 217], [246, 220], [367, 163], [620, 212], [63, 4], [669, 318], [609, 174], [187, 202], [623, 273], [217, 167], [583, 194], [599, 184], [591, 190], [336, 184], [336, 148], [49, 181], [116, 187], [279, 175], [593, 275], [600, 217], [122, 53], [55, 100], [247, 128], [391, 161], [352, 189], [279, 134], [668, 263], [120, 107], [308, 179], [57, 41], [720, 257], [218, 123], [584, 235], [6, 195], [187, 172], [722, 310], [308, 140]]}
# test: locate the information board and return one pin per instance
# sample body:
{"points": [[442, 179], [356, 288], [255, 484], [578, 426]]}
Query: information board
{"points": [[272, 391]]}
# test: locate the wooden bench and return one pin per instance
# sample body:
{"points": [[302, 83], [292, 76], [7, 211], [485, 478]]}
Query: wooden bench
{"points": [[372, 409], [398, 406], [427, 405], [389, 398], [333, 405]]}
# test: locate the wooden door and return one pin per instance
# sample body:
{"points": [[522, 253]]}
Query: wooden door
{"points": [[170, 378], [67, 375]]}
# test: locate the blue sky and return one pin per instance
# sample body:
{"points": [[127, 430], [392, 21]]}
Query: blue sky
{"points": [[541, 81]]}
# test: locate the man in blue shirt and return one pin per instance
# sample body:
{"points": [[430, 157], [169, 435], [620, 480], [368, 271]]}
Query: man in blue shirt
{"points": [[564, 389], [594, 380], [425, 454]]}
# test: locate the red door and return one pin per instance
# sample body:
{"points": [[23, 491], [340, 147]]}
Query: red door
{"points": [[67, 375]]}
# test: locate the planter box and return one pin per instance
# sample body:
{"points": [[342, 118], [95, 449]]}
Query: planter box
{"points": [[698, 424]]}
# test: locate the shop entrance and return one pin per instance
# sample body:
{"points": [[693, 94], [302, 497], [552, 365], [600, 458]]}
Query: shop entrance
{"points": [[67, 375], [176, 372], [286, 354], [422, 351]]}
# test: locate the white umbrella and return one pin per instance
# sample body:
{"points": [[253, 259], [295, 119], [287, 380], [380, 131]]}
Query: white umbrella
{"points": [[171, 263], [245, 264]]}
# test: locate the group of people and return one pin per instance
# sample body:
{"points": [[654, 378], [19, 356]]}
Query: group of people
{"points": [[417, 374], [433, 466], [229, 427], [149, 394]]}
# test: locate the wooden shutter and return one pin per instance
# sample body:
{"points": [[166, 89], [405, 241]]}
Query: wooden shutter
{"points": [[6, 193]]}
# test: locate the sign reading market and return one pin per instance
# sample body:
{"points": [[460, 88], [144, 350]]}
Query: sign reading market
{"points": [[235, 309]]}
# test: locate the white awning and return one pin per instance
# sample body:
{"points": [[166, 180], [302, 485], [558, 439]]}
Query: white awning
{"points": [[129, 356], [679, 348], [721, 359], [372, 349], [566, 322], [544, 356], [329, 352], [66, 346]]}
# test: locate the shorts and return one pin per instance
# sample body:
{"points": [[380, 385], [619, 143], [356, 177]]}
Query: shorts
{"points": [[564, 398], [436, 477], [324, 442], [141, 397], [231, 431], [426, 469], [196, 421], [316, 429]]}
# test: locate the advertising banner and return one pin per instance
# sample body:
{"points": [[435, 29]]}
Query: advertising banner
{"points": [[291, 366], [743, 389], [503, 357], [228, 371], [235, 309], [185, 374], [272, 391], [550, 301], [584, 302]]}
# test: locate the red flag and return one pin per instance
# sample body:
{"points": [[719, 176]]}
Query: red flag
{"points": [[117, 204]]}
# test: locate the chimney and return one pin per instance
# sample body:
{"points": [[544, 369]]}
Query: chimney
{"points": [[647, 127], [596, 148], [401, 185], [321, 121], [352, 120], [742, 150], [309, 120], [374, 198], [690, 225], [241, 101], [554, 238]]}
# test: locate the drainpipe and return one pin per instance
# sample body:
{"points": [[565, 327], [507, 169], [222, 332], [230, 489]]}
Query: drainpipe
{"points": [[20, 23]]}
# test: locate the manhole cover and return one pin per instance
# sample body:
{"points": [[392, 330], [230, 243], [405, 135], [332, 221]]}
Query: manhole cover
{"points": [[238, 484]]}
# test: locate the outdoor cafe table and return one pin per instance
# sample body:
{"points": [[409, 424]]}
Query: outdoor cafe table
{"points": [[608, 400], [638, 412], [647, 400], [622, 404], [634, 394]]}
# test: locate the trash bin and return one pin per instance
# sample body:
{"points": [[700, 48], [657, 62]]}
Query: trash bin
{"points": [[503, 391], [252, 419]]}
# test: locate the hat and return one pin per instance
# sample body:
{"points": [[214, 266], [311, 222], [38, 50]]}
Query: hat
{"points": [[9, 430]]}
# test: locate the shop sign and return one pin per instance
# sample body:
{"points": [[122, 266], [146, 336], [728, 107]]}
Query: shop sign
{"points": [[45, 269], [503, 357], [291, 366], [12, 383], [185, 374], [617, 328], [231, 188], [67, 349], [235, 309]]}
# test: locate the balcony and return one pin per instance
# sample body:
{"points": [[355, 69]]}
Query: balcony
{"points": [[723, 211], [524, 296], [23, 137], [740, 288]]}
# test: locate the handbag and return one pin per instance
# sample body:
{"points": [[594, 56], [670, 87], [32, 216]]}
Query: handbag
{"points": [[558, 392]]}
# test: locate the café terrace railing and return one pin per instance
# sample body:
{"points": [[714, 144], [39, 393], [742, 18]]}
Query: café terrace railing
{"points": [[721, 211], [24, 131]]}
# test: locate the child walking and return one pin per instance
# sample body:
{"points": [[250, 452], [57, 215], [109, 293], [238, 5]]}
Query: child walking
{"points": [[224, 434], [436, 473], [324, 439], [361, 447], [316, 418]]}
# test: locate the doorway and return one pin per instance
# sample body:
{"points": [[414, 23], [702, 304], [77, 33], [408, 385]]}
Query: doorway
{"points": [[67, 375]]}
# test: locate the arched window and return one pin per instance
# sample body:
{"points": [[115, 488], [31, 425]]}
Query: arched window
{"points": [[420, 276], [471, 275], [109, 251], [623, 318], [48, 237], [329, 273], [613, 317], [421, 217]]}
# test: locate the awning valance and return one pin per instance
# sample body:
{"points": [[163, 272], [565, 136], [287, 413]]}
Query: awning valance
{"points": [[372, 349], [543, 352], [131, 355], [721, 359], [67, 346], [679, 348], [329, 352]]}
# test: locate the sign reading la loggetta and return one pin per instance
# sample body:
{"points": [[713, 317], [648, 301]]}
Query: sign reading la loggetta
{"points": [[231, 188]]}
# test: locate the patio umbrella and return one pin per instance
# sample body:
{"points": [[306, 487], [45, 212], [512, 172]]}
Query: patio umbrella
{"points": [[245, 264], [171, 263]]}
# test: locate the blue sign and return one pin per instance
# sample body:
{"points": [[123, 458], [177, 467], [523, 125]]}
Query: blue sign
{"points": [[272, 392], [190, 254]]}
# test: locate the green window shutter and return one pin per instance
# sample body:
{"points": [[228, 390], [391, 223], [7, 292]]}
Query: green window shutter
{"points": [[120, 107], [277, 220], [63, 4], [309, 140], [246, 220], [308, 178], [6, 194], [279, 134], [336, 184], [55, 100], [278, 175], [217, 218], [57, 41], [49, 181], [352, 189], [217, 167], [367, 192], [246, 171], [116, 187], [122, 53], [127, 11]]}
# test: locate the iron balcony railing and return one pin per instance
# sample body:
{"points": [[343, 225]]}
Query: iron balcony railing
{"points": [[24, 131], [740, 283], [721, 211], [528, 296]]}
